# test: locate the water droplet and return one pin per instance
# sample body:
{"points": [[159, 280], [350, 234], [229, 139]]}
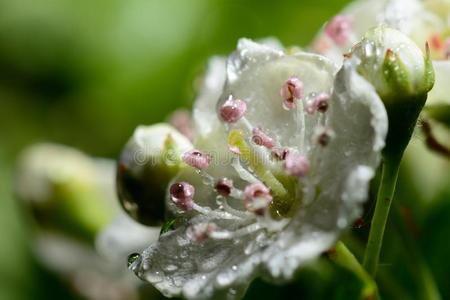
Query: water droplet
{"points": [[171, 268], [132, 258], [232, 291], [368, 48], [234, 268], [167, 226], [224, 279], [154, 277], [342, 223]]}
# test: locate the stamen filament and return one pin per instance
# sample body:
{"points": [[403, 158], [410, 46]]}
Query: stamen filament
{"points": [[301, 124], [235, 212], [225, 235], [213, 213], [236, 139]]}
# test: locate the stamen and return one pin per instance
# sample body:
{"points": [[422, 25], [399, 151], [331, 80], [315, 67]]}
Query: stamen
{"points": [[262, 139], [214, 213], [291, 90], [301, 125], [196, 159], [318, 103], [224, 186], [232, 110], [339, 29], [242, 172], [182, 194], [236, 139], [324, 136], [322, 102], [200, 232], [279, 153], [225, 235], [238, 213], [296, 164], [257, 198]]}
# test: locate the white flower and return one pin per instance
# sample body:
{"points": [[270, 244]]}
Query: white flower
{"points": [[271, 184], [412, 17], [423, 21]]}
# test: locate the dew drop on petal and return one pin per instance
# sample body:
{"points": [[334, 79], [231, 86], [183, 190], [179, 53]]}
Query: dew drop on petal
{"points": [[132, 258]]}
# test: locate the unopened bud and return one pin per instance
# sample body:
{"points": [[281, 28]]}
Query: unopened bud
{"points": [[147, 164]]}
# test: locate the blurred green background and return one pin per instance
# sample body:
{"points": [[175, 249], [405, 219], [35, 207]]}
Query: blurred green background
{"points": [[85, 73]]}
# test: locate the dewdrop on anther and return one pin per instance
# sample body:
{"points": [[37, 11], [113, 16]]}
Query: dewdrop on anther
{"points": [[232, 110], [182, 194]]}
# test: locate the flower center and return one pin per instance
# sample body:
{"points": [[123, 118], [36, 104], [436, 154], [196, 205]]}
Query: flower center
{"points": [[275, 175]]}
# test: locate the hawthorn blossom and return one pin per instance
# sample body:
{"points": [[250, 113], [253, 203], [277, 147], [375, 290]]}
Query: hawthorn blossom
{"points": [[422, 21], [425, 22], [270, 180]]}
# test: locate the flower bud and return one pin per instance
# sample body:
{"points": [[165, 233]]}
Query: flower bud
{"points": [[393, 63], [146, 165], [65, 189], [402, 77]]}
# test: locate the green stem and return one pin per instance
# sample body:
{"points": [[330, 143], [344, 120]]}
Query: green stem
{"points": [[345, 258], [379, 219], [386, 282]]}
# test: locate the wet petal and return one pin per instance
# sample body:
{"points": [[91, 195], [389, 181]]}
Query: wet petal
{"points": [[221, 267], [409, 16], [123, 237], [346, 166], [204, 113], [178, 265], [256, 73]]}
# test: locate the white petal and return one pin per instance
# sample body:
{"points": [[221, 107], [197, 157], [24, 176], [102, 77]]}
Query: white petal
{"points": [[256, 73], [198, 270], [364, 14], [123, 237], [179, 266], [348, 163], [204, 112], [408, 16]]}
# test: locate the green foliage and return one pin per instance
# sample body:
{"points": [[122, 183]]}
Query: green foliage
{"points": [[86, 73]]}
